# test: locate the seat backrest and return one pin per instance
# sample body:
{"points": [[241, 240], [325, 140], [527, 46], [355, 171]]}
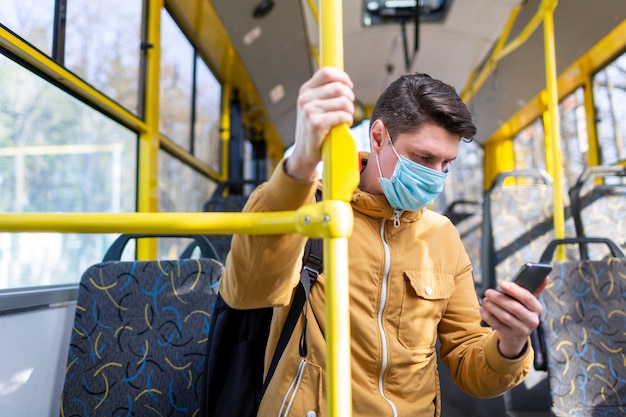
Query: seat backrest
{"points": [[517, 224], [138, 343], [466, 215], [221, 201], [599, 207], [583, 323]]}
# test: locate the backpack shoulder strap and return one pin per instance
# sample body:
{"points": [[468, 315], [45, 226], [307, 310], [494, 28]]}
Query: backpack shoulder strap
{"points": [[312, 266]]}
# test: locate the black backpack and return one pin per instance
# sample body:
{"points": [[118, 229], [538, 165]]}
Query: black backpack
{"points": [[237, 339]]}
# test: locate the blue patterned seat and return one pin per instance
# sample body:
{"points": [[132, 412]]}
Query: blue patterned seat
{"points": [[583, 326], [139, 338], [517, 226], [518, 223]]}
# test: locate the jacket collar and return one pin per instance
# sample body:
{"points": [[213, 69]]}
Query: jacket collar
{"points": [[377, 206]]}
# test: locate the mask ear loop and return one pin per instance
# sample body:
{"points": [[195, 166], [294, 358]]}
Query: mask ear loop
{"points": [[378, 164], [392, 147], [394, 151]]}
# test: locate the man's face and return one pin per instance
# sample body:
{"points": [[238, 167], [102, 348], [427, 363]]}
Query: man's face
{"points": [[432, 146]]}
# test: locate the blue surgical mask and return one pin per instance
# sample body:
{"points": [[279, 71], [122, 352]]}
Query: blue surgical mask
{"points": [[412, 186]]}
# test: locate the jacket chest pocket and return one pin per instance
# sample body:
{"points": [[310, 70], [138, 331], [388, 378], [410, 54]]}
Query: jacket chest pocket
{"points": [[424, 300]]}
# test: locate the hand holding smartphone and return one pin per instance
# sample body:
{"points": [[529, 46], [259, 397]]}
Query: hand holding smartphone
{"points": [[530, 276]]}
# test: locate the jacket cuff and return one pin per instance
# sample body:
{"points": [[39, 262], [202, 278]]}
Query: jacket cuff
{"points": [[287, 193], [505, 366]]}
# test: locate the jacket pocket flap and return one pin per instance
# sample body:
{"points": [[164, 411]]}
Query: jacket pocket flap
{"points": [[431, 285]]}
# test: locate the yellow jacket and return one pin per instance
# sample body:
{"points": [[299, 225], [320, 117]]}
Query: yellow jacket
{"points": [[410, 283]]}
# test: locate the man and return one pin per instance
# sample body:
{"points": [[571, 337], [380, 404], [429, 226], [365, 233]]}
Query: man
{"points": [[410, 278]]}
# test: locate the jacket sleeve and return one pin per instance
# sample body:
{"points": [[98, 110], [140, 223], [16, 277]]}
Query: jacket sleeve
{"points": [[262, 270], [469, 350]]}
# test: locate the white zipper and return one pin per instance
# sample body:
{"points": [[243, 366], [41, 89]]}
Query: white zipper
{"points": [[295, 384], [290, 395], [381, 309], [396, 218]]}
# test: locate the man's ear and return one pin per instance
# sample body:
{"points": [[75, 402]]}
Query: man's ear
{"points": [[378, 134]]}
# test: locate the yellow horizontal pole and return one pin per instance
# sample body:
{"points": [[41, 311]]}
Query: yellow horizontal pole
{"points": [[153, 223], [324, 219]]}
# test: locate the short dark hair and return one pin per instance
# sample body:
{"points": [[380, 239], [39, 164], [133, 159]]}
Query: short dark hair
{"points": [[415, 99]]}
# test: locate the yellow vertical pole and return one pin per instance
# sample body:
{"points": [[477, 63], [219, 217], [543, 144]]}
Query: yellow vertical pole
{"points": [[340, 178], [225, 130], [549, 142], [498, 158], [593, 158], [548, 7], [147, 200]]}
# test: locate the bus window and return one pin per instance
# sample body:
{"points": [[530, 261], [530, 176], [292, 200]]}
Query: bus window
{"points": [[30, 19], [465, 180], [181, 189], [206, 141], [102, 45], [574, 144], [610, 94], [529, 147], [176, 83], [57, 155]]}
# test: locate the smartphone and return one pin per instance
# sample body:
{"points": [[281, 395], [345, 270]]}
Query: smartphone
{"points": [[530, 276]]}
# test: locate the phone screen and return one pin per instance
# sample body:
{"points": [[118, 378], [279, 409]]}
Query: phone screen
{"points": [[530, 276]]}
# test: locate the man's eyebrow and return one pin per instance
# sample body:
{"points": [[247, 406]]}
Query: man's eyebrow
{"points": [[423, 153]]}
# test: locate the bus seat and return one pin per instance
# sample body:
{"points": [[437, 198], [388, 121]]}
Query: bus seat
{"points": [[517, 226], [599, 207], [517, 223], [223, 201], [466, 215], [583, 329], [138, 341]]}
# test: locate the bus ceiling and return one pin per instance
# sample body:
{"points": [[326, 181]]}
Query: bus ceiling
{"points": [[278, 43]]}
